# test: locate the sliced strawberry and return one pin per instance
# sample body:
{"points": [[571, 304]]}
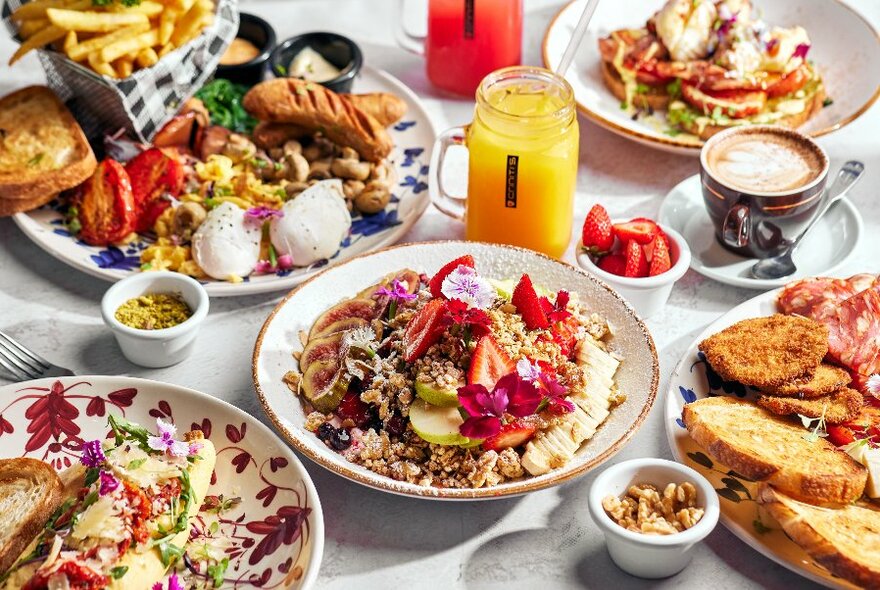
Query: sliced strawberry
{"points": [[639, 229], [597, 235], [513, 434], [489, 363], [565, 334], [636, 263], [613, 263], [649, 247], [527, 303], [424, 329], [437, 281], [660, 259], [353, 408]]}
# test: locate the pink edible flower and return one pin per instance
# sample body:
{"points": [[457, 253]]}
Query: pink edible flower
{"points": [[108, 484], [264, 267], [262, 213], [92, 454], [486, 409], [166, 442], [285, 262], [173, 584], [801, 51]]}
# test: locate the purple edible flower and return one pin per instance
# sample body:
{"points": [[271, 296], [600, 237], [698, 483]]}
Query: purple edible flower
{"points": [[173, 584], [873, 385], [109, 483], [165, 442], [801, 51], [92, 454], [466, 285], [262, 213], [194, 448], [485, 410], [527, 370], [397, 292]]}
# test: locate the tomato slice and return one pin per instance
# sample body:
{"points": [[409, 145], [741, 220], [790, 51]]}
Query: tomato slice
{"points": [[790, 83], [153, 174], [865, 425], [106, 205], [736, 104]]}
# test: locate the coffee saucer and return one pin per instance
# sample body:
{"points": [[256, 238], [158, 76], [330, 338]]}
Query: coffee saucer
{"points": [[827, 246]]}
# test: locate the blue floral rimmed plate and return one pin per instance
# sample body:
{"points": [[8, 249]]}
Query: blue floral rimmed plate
{"points": [[694, 379], [413, 138]]}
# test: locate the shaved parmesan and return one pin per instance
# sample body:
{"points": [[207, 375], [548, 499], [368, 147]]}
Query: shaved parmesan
{"points": [[100, 521]]}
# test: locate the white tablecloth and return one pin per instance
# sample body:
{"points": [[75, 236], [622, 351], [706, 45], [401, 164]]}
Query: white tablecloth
{"points": [[376, 540]]}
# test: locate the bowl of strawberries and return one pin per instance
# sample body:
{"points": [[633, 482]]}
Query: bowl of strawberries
{"points": [[640, 258]]}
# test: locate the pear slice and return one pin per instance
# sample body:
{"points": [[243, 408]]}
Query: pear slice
{"points": [[437, 425], [436, 394]]}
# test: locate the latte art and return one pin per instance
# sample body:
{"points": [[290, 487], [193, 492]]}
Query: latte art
{"points": [[764, 163]]}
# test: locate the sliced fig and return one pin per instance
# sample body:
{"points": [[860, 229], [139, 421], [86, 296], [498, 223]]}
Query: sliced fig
{"points": [[321, 349], [342, 326], [350, 308], [324, 384], [411, 277]]}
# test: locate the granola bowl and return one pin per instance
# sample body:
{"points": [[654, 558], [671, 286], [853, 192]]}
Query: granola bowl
{"points": [[456, 370]]}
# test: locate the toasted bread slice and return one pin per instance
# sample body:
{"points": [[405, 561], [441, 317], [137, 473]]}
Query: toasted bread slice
{"points": [[841, 406], [813, 106], [30, 491], [12, 206], [845, 540], [761, 446], [655, 98], [44, 151]]}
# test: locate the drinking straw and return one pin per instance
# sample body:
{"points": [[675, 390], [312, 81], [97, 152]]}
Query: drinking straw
{"points": [[577, 37]]}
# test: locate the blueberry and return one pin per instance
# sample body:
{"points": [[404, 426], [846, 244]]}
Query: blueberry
{"points": [[325, 431], [395, 425], [340, 439]]}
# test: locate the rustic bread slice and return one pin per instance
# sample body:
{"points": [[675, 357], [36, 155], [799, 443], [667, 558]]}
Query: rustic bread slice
{"points": [[43, 151], [10, 207], [845, 540], [30, 491], [762, 446], [655, 98]]}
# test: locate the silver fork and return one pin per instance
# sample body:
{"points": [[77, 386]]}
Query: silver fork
{"points": [[23, 364]]}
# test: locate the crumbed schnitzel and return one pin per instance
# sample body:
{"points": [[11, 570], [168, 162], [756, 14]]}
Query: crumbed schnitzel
{"points": [[768, 351], [841, 406], [825, 380]]}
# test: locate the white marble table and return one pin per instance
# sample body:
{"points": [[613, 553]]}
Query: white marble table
{"points": [[376, 540]]}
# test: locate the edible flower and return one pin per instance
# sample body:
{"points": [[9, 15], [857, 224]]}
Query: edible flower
{"points": [[558, 311], [466, 285], [166, 442], [486, 409], [398, 292], [108, 483], [801, 51], [263, 213], [194, 448], [92, 454], [275, 262], [473, 321], [173, 584], [873, 385], [726, 21], [554, 393]]}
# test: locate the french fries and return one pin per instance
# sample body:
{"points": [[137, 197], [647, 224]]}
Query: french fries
{"points": [[111, 38]]}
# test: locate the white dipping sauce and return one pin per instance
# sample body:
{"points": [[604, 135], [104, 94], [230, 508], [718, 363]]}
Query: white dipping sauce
{"points": [[310, 65]]}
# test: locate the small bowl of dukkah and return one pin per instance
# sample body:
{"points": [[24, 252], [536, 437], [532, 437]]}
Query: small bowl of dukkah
{"points": [[155, 316], [653, 512]]}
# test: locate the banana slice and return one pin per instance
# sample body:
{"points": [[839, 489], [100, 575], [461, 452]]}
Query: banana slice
{"points": [[557, 445]]}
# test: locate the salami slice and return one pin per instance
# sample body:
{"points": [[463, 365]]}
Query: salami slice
{"points": [[854, 332], [819, 297]]}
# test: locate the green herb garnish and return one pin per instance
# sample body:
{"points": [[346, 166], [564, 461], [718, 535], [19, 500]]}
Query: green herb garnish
{"points": [[118, 571], [35, 160], [673, 89], [216, 572], [827, 102], [136, 464], [642, 88], [223, 99]]}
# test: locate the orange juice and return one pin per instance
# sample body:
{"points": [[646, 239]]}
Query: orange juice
{"points": [[523, 146]]}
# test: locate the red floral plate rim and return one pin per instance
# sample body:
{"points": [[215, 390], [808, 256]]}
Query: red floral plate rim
{"points": [[277, 529]]}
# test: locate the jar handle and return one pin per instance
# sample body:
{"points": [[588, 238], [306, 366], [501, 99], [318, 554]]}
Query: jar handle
{"points": [[408, 41], [453, 206]]}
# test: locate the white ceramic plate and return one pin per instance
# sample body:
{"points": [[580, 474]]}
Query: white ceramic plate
{"points": [[278, 528], [692, 380], [413, 140], [826, 247], [637, 377], [846, 49]]}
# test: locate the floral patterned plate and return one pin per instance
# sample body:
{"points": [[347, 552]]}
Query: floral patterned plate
{"points": [[413, 139], [694, 379], [277, 528], [638, 375]]}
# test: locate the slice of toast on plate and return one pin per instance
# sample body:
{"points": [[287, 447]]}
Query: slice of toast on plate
{"points": [[43, 150], [764, 447], [845, 540], [30, 491]]}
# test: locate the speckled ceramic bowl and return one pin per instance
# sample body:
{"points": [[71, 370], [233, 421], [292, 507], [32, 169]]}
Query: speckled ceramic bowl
{"points": [[638, 374]]}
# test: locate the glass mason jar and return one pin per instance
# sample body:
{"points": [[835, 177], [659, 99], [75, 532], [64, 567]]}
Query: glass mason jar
{"points": [[522, 163]]}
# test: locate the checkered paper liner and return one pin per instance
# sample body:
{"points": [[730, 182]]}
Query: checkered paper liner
{"points": [[142, 103]]}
